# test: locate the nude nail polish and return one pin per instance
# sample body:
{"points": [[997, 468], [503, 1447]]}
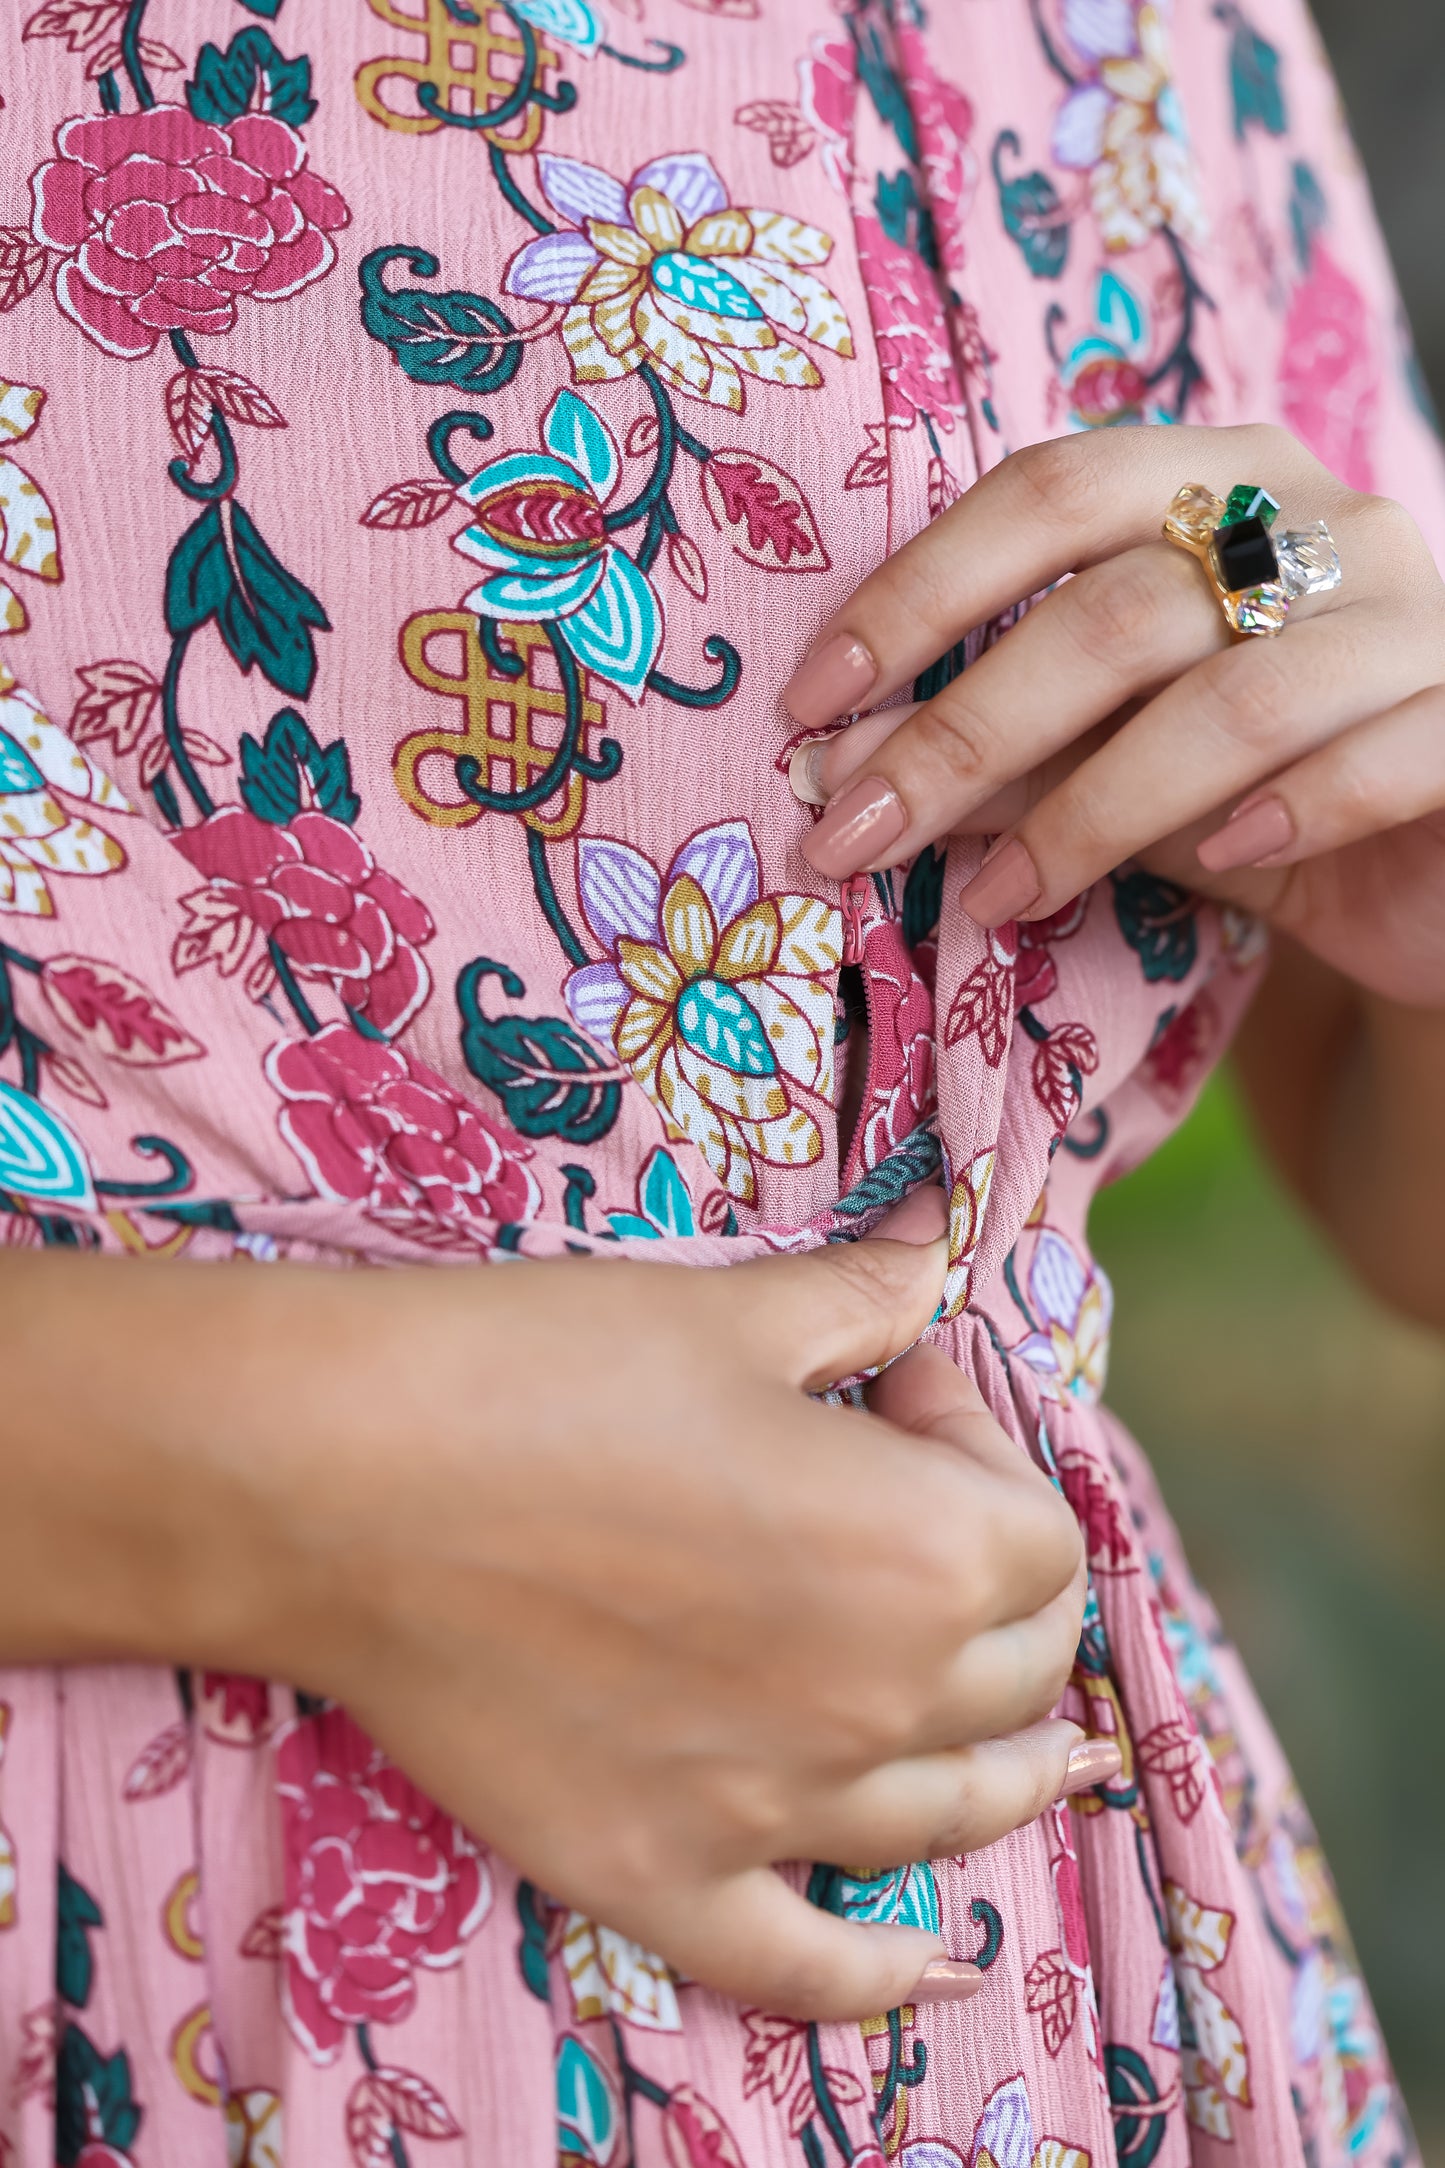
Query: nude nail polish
{"points": [[804, 777], [860, 825], [1091, 1762], [1255, 833], [834, 679], [947, 1979], [1004, 885]]}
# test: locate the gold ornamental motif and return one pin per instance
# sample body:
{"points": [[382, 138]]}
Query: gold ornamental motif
{"points": [[513, 725], [467, 71]]}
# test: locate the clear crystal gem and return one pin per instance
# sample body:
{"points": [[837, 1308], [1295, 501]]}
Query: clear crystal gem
{"points": [[1258, 609], [1309, 563], [1194, 514]]}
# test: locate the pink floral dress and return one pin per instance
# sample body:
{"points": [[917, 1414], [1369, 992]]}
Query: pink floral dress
{"points": [[437, 427]]}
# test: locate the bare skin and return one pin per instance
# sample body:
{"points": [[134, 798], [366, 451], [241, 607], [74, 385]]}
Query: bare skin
{"points": [[765, 1628]]}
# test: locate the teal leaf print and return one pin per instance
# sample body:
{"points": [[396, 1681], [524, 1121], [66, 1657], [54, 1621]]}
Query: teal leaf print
{"points": [[1308, 212], [532, 1949], [1156, 918], [664, 1207], [1254, 82], [76, 1912], [250, 76], [222, 568], [923, 896], [438, 338], [269, 8], [904, 218], [1032, 213], [587, 2117], [545, 1073], [271, 773], [91, 2087], [904, 1897], [908, 1164]]}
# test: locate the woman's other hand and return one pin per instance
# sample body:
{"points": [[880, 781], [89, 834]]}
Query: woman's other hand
{"points": [[1302, 776]]}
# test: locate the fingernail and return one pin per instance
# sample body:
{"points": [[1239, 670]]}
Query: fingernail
{"points": [[834, 679], [1091, 1762], [1255, 832], [947, 1979], [1004, 885], [858, 827], [804, 773], [920, 1219]]}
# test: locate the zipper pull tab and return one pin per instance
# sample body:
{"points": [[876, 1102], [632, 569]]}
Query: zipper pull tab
{"points": [[853, 901]]}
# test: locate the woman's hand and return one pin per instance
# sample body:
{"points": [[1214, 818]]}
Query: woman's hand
{"points": [[575, 1545], [1302, 776]]}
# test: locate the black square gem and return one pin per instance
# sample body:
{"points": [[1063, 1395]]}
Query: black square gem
{"points": [[1245, 555]]}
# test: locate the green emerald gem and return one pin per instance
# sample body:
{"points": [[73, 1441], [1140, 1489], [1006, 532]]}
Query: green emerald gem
{"points": [[1248, 501]]}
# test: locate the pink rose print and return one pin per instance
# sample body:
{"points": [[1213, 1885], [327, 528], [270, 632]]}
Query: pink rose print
{"points": [[1329, 377], [378, 1881], [376, 1128], [912, 340], [314, 890], [163, 220]]}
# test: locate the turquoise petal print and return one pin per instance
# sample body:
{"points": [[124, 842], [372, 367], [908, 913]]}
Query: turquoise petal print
{"points": [[538, 599], [40, 1156], [582, 438], [573, 21], [18, 771], [662, 1193], [618, 631]]}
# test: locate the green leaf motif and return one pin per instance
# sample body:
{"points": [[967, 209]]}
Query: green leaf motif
{"points": [[83, 2076], [250, 76], [923, 896], [269, 8], [271, 773], [437, 338], [1308, 212], [1157, 919], [1254, 81], [908, 1164], [542, 1070], [222, 568], [1032, 213], [76, 1911], [532, 1949]]}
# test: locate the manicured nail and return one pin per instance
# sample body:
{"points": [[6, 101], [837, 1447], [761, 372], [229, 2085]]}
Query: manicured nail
{"points": [[947, 1979], [1091, 1762], [858, 827], [1004, 885], [920, 1219], [804, 773], [1255, 832], [834, 679]]}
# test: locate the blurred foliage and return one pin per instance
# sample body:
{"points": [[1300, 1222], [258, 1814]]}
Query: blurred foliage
{"points": [[1299, 1435]]}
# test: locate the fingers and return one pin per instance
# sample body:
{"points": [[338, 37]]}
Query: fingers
{"points": [[1213, 733], [1377, 776], [936, 1806], [757, 1941], [1120, 628], [1025, 1564], [813, 1319], [1048, 510]]}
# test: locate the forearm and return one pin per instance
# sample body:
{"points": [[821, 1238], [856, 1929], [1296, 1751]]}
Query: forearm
{"points": [[1347, 1091], [145, 1476]]}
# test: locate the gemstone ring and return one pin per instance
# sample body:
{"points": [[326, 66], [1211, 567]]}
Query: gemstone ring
{"points": [[1255, 575]]}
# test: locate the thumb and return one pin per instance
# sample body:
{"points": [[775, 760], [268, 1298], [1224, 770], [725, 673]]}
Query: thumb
{"points": [[754, 1939], [821, 1316]]}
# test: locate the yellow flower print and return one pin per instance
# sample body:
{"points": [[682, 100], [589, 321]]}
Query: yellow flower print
{"points": [[1122, 124]]}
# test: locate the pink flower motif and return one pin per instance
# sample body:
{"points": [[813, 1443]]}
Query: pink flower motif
{"points": [[827, 95], [314, 889], [1329, 377], [909, 331], [1036, 974], [374, 1127], [377, 1879], [163, 220]]}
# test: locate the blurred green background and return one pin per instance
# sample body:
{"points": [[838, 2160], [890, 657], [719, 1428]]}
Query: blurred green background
{"points": [[1299, 1431], [1299, 1435]]}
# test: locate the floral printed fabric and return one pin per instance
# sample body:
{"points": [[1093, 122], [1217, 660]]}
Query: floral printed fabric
{"points": [[361, 903]]}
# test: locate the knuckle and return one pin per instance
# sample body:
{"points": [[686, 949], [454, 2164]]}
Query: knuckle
{"points": [[1121, 612], [1248, 691], [1061, 479], [949, 737], [874, 1277], [804, 1984]]}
